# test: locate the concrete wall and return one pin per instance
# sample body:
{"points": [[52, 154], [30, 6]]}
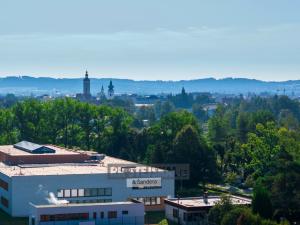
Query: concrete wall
{"points": [[35, 189]]}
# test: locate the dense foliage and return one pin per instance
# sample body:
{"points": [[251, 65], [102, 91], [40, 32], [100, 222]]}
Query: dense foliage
{"points": [[251, 142]]}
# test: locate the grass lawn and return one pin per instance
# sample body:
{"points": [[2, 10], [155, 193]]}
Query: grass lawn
{"points": [[5, 219]]}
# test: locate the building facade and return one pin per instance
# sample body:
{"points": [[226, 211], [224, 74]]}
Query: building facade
{"points": [[119, 213], [91, 178]]}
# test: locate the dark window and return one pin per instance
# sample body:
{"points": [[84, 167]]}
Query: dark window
{"points": [[108, 191], [3, 184], [95, 215], [175, 213], [4, 202], [102, 215], [64, 217], [112, 214], [125, 212]]}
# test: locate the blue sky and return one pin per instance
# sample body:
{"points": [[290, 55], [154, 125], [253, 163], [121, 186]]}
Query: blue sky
{"points": [[157, 39]]}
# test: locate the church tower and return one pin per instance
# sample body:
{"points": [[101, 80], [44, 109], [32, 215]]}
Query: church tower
{"points": [[86, 86], [111, 91], [101, 94]]}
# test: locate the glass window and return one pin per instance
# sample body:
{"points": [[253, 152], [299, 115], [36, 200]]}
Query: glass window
{"points": [[102, 215], [125, 212], [175, 213], [153, 201], [147, 201], [60, 193], [87, 192], [108, 191], [74, 192], [93, 192], [101, 192], [80, 192], [158, 201], [112, 214], [67, 193]]}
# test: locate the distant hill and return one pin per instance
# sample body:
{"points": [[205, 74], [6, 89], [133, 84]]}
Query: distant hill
{"points": [[26, 85]]}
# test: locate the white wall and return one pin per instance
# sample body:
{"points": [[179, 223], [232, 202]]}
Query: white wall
{"points": [[35, 189], [135, 214]]}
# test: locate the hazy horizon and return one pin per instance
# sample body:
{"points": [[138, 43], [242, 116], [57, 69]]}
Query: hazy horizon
{"points": [[151, 40]]}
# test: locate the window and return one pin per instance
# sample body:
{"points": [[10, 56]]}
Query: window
{"points": [[93, 192], [149, 200], [158, 201], [3, 184], [175, 213], [64, 217], [112, 214], [125, 212], [108, 191], [87, 192], [94, 215], [153, 201], [101, 192], [80, 192], [67, 193], [60, 193], [102, 215], [74, 193], [4, 202]]}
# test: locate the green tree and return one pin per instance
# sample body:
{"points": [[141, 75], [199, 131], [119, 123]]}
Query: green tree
{"points": [[261, 202]]}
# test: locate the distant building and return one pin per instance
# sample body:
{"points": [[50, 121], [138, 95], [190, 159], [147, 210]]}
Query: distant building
{"points": [[86, 94], [110, 92], [101, 94], [86, 86], [193, 210]]}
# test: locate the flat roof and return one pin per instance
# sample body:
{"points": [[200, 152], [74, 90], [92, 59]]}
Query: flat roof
{"points": [[102, 167], [211, 201], [13, 151], [82, 204]]}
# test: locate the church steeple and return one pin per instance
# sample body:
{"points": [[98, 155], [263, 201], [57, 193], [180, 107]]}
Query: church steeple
{"points": [[110, 90], [86, 86]]}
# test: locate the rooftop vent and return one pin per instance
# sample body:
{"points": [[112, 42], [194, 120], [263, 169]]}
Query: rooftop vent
{"points": [[33, 148], [97, 156]]}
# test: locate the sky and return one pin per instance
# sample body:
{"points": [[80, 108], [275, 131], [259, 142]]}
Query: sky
{"points": [[151, 40]]}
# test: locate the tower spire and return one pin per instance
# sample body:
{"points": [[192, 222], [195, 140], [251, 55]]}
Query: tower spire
{"points": [[86, 74]]}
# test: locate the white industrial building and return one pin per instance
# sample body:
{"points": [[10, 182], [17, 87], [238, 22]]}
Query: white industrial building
{"points": [[119, 213], [29, 172]]}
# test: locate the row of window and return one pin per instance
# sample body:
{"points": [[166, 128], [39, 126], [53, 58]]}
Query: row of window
{"points": [[86, 192], [149, 200], [79, 216], [4, 202], [4, 184], [62, 217], [91, 201]]}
